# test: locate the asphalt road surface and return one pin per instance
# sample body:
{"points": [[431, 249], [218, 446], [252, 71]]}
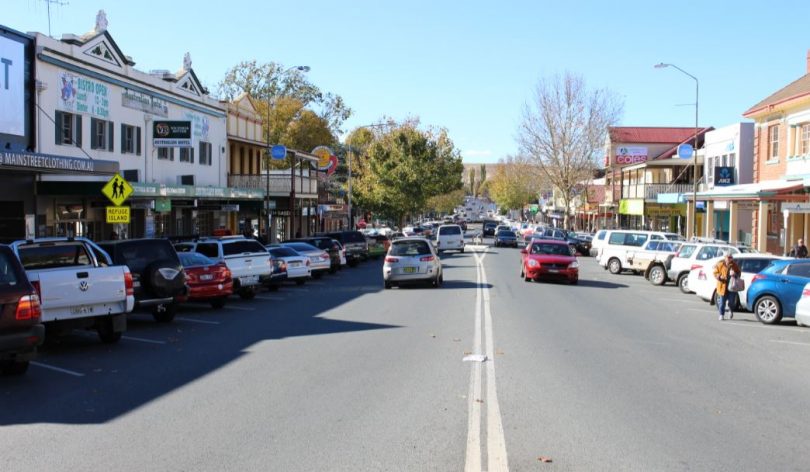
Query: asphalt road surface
{"points": [[487, 373]]}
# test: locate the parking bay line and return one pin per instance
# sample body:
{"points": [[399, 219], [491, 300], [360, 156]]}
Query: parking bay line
{"points": [[789, 342], [143, 340], [57, 369], [192, 320]]}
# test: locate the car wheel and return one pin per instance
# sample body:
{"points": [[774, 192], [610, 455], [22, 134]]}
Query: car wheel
{"points": [[387, 285], [164, 313], [106, 333], [300, 281], [247, 293], [768, 310], [658, 275], [317, 275], [683, 283], [13, 367], [218, 302], [614, 266]]}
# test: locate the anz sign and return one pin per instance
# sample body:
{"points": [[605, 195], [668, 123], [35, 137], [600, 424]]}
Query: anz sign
{"points": [[723, 176]]}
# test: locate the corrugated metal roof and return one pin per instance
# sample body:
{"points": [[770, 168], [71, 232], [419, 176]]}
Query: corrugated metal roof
{"points": [[798, 88], [649, 135]]}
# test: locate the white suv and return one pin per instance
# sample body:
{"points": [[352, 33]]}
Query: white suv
{"points": [[694, 254], [450, 238]]}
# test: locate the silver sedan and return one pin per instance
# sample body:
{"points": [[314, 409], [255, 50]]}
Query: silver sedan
{"points": [[412, 260]]}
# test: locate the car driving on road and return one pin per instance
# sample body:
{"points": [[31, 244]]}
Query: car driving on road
{"points": [[412, 260], [548, 259]]}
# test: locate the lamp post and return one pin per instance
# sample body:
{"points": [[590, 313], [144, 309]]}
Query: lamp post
{"points": [[270, 103], [697, 131]]}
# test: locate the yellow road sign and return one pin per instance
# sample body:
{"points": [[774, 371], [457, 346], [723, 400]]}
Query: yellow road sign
{"points": [[117, 190], [118, 214]]}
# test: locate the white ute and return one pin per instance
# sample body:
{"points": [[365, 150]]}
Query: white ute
{"points": [[78, 285]]}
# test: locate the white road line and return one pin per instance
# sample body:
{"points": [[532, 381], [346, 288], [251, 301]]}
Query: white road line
{"points": [[238, 308], [472, 462], [192, 320], [789, 342], [496, 441], [143, 340], [57, 369]]}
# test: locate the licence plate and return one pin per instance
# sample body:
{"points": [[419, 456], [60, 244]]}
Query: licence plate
{"points": [[81, 310], [409, 270], [295, 264], [251, 280], [207, 277], [553, 271]]}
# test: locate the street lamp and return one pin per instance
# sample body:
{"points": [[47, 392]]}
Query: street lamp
{"points": [[697, 130], [267, 164]]}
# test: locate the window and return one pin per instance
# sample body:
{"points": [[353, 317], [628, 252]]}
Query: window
{"points": [[205, 153], [799, 270], [773, 142], [68, 129], [208, 249], [166, 153], [52, 256], [248, 246], [101, 134], [187, 155], [804, 139], [130, 139]]}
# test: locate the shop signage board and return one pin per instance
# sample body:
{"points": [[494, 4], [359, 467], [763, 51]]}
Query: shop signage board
{"points": [[171, 134], [144, 102], [627, 155], [798, 207], [79, 94], [117, 190], [118, 215], [723, 176], [12, 87], [46, 162], [163, 205], [631, 206]]}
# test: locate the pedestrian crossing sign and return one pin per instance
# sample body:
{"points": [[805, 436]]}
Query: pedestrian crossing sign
{"points": [[117, 190]]}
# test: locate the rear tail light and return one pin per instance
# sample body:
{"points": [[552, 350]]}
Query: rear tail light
{"points": [[696, 266], [426, 258], [37, 289], [757, 277], [128, 286], [28, 308], [391, 259]]}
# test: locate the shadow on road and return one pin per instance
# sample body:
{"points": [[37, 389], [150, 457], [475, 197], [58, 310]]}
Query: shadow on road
{"points": [[464, 284], [600, 284]]}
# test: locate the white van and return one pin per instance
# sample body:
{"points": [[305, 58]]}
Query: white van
{"points": [[450, 238], [612, 252]]}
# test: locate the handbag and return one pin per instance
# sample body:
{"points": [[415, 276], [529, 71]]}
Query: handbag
{"points": [[736, 284]]}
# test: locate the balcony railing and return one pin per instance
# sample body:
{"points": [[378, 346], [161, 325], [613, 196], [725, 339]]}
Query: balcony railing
{"points": [[279, 184], [651, 191]]}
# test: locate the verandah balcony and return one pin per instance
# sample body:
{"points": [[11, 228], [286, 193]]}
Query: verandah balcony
{"points": [[305, 187]]}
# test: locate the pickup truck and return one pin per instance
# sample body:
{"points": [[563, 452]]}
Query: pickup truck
{"points": [[78, 286], [653, 259]]}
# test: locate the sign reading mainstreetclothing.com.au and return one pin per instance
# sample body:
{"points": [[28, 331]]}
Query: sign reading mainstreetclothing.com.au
{"points": [[167, 134]]}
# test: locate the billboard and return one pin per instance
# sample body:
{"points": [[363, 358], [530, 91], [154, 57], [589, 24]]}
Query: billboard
{"points": [[12, 87]]}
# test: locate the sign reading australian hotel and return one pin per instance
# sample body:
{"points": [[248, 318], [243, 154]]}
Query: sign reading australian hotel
{"points": [[144, 102], [45, 162], [171, 134]]}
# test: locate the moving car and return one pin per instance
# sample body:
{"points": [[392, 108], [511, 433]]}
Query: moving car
{"points": [[297, 264], [377, 245], [450, 238], [506, 237], [702, 282], [775, 291], [548, 259], [208, 280], [21, 329], [489, 227], [319, 260], [412, 260]]}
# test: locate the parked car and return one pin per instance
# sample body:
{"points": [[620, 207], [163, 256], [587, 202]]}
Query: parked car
{"points": [[355, 244], [548, 259], [21, 328], [77, 285], [702, 282], [326, 243], [341, 253], [158, 280], [412, 260], [208, 280], [506, 237], [376, 246], [691, 255], [319, 260], [653, 259], [297, 264], [803, 307], [449, 238], [775, 291], [250, 264]]}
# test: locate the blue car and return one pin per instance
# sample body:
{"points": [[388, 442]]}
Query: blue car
{"points": [[774, 292]]}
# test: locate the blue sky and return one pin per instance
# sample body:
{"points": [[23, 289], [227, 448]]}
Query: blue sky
{"points": [[470, 66]]}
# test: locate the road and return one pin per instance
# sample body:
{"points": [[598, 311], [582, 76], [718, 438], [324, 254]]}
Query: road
{"points": [[341, 375]]}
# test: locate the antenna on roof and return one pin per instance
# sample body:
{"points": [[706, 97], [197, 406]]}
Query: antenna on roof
{"points": [[48, 3]]}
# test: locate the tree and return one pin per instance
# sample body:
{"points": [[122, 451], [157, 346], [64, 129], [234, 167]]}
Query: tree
{"points": [[483, 173], [564, 128], [446, 202], [404, 167], [515, 183], [472, 181]]}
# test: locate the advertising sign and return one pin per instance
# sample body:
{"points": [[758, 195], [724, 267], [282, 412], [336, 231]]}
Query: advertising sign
{"points": [[171, 134], [630, 155], [144, 102], [631, 206], [327, 161], [12, 87], [78, 94], [723, 176]]}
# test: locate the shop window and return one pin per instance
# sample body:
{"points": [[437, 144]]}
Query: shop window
{"points": [[102, 134], [205, 153], [187, 155], [773, 142], [130, 139], [804, 140], [166, 153], [68, 129]]}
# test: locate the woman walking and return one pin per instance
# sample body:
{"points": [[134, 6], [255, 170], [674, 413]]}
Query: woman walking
{"points": [[724, 270]]}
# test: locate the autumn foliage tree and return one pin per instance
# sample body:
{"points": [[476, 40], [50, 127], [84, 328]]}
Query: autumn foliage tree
{"points": [[515, 183]]}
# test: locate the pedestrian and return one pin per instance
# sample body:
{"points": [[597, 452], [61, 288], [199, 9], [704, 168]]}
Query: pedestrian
{"points": [[799, 250], [724, 270]]}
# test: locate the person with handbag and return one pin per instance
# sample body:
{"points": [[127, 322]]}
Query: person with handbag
{"points": [[725, 272]]}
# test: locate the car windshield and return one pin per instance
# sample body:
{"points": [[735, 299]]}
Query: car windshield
{"points": [[410, 248], [191, 259], [302, 247], [551, 249]]}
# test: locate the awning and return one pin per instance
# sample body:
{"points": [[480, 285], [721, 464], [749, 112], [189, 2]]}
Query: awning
{"points": [[671, 162], [755, 191]]}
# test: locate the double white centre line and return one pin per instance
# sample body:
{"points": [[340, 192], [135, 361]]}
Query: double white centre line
{"points": [[496, 443]]}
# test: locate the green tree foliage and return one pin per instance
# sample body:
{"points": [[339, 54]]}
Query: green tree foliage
{"points": [[446, 202], [483, 173], [514, 184], [403, 167], [472, 181]]}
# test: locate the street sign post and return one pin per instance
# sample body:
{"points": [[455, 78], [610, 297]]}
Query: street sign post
{"points": [[685, 151], [117, 190]]}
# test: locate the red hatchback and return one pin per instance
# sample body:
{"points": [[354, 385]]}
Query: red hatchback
{"points": [[207, 280], [550, 260]]}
